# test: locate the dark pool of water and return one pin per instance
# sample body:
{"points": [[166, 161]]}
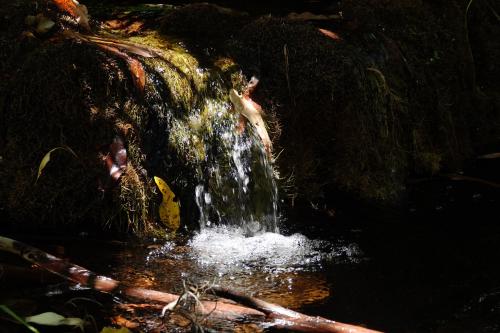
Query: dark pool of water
{"points": [[433, 268]]}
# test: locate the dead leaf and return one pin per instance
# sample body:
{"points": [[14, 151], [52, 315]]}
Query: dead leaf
{"points": [[124, 322], [116, 159], [135, 67], [132, 48], [138, 73], [127, 26], [253, 112]]}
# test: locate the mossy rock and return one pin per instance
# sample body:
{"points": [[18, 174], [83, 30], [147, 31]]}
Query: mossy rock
{"points": [[361, 113], [337, 117], [203, 24], [385, 102], [74, 95], [69, 92]]}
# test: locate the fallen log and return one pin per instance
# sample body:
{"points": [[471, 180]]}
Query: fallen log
{"points": [[273, 314]]}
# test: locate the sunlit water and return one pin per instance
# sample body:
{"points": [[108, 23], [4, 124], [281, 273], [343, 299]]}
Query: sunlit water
{"points": [[227, 250], [237, 187], [289, 270]]}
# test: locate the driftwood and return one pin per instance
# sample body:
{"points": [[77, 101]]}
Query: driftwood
{"points": [[273, 314]]}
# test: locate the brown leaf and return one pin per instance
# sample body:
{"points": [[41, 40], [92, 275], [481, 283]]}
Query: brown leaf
{"points": [[116, 160], [124, 46], [138, 73]]}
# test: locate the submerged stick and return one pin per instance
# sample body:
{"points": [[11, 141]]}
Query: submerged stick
{"points": [[283, 318]]}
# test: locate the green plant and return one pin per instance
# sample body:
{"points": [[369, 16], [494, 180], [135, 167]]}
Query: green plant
{"points": [[18, 319]]}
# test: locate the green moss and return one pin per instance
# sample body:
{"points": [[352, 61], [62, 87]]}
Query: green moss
{"points": [[360, 114], [82, 102], [203, 24], [365, 112], [339, 122]]}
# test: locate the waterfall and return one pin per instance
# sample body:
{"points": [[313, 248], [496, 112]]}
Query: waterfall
{"points": [[237, 187], [235, 183]]}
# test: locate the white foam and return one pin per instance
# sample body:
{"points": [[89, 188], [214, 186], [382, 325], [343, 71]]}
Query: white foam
{"points": [[227, 249]]}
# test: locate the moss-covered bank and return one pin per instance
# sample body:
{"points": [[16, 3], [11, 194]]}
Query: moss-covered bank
{"points": [[359, 102], [70, 91]]}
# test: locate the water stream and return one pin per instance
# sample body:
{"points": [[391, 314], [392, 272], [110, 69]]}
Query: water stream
{"points": [[234, 182], [239, 189]]}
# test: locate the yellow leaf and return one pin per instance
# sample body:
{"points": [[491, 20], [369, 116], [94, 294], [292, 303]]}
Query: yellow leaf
{"points": [[46, 160], [169, 207]]}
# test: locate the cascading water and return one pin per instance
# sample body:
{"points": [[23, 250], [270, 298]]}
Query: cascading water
{"points": [[238, 187], [235, 184]]}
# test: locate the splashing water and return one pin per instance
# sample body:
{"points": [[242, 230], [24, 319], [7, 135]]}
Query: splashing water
{"points": [[227, 249], [265, 261], [237, 187]]}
